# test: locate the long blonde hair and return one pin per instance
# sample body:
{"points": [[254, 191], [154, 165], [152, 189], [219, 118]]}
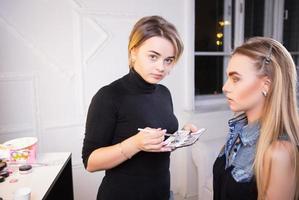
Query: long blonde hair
{"points": [[280, 115]]}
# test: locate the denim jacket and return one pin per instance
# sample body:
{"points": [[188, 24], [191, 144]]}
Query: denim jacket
{"points": [[240, 147]]}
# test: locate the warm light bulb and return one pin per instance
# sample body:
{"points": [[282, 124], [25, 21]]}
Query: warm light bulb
{"points": [[224, 23], [219, 35], [219, 43]]}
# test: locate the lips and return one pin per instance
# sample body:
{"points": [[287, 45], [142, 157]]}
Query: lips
{"points": [[229, 99], [157, 76]]}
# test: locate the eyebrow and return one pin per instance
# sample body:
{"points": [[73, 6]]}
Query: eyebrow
{"points": [[160, 54], [233, 73]]}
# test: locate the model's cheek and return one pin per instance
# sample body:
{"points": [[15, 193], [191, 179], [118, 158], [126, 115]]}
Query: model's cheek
{"points": [[249, 92]]}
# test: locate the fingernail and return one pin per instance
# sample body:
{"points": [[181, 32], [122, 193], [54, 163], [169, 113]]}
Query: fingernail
{"points": [[166, 149]]}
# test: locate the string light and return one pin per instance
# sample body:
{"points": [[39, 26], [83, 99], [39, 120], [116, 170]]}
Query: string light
{"points": [[224, 23], [219, 35]]}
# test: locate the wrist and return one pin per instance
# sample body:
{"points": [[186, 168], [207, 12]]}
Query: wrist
{"points": [[134, 143], [128, 147], [122, 151]]}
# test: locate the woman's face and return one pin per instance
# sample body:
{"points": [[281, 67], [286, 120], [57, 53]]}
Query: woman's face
{"points": [[244, 87], [153, 59]]}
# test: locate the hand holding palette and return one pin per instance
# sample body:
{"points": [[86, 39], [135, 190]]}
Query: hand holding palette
{"points": [[183, 138]]}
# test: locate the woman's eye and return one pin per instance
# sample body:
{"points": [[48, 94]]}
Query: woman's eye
{"points": [[235, 79], [153, 57], [168, 61]]}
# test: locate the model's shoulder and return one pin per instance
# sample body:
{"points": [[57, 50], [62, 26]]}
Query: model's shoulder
{"points": [[281, 151]]}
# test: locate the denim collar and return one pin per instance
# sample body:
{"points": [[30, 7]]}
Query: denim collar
{"points": [[236, 124], [239, 128], [248, 133]]}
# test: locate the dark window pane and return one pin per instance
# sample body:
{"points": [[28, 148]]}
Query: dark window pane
{"points": [[290, 27], [209, 15], [296, 60], [254, 18], [208, 74]]}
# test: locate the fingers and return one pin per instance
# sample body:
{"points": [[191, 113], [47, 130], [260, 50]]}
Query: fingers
{"points": [[159, 148], [151, 133], [151, 140], [156, 148], [190, 127]]}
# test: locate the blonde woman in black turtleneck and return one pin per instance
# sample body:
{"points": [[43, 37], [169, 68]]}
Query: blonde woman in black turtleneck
{"points": [[136, 163]]}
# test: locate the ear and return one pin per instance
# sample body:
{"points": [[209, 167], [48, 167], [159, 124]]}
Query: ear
{"points": [[266, 84], [133, 54]]}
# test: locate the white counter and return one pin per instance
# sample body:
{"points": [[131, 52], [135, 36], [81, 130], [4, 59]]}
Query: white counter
{"points": [[43, 178]]}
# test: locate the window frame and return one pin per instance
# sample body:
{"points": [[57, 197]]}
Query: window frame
{"points": [[273, 28]]}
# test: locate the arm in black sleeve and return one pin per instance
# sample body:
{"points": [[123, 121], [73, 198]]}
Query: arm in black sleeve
{"points": [[100, 123]]}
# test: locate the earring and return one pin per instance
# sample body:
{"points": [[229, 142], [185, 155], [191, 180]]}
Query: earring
{"points": [[264, 93]]}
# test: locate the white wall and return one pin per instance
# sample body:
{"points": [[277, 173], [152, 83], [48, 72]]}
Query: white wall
{"points": [[54, 55]]}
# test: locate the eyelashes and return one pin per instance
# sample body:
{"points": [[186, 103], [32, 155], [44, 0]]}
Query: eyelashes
{"points": [[153, 57], [166, 61], [235, 79]]}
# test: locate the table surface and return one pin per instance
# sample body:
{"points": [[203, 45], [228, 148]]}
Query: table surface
{"points": [[44, 172]]}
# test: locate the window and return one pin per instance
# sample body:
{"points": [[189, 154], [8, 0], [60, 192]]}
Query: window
{"points": [[291, 28], [222, 25], [291, 31], [254, 15], [210, 47]]}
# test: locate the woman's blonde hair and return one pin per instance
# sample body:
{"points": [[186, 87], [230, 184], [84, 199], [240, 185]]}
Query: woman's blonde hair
{"points": [[280, 114], [152, 26]]}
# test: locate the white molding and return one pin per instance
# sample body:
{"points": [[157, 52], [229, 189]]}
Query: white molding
{"points": [[278, 20], [227, 48], [57, 125], [55, 65], [77, 3], [239, 22], [16, 77], [110, 14], [180, 197], [16, 128], [78, 59], [77, 165], [24, 127], [268, 18], [97, 47], [91, 15], [189, 36]]}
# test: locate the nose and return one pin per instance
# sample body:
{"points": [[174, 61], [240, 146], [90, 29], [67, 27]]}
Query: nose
{"points": [[225, 87], [160, 66]]}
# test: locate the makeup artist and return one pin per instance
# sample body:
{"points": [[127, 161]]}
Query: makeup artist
{"points": [[136, 162]]}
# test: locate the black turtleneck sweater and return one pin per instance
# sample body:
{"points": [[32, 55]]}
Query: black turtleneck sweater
{"points": [[115, 113]]}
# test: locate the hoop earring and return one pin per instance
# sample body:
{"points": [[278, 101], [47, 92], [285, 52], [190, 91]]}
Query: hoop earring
{"points": [[264, 93]]}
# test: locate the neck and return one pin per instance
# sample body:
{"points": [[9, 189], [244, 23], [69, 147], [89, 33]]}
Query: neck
{"points": [[254, 115], [138, 83]]}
